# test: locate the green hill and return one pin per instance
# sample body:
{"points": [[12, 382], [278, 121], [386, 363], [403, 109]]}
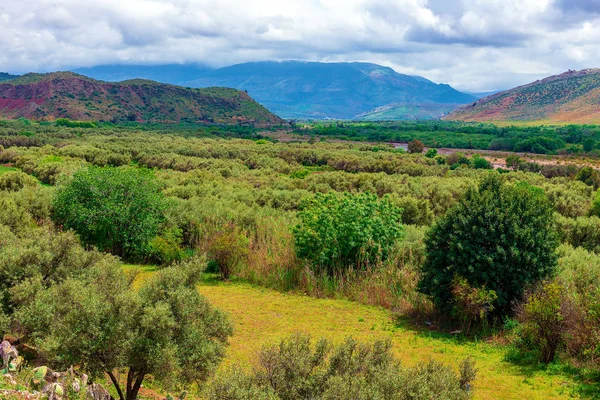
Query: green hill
{"points": [[73, 96]]}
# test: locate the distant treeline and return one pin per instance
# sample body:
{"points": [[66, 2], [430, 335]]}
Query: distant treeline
{"points": [[531, 139]]}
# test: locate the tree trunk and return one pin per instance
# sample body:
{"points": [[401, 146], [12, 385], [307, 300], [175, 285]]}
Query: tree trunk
{"points": [[116, 383], [133, 387]]}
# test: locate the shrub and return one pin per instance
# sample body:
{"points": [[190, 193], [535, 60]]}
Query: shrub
{"points": [[415, 211], [118, 210], [471, 304], [14, 181], [545, 316], [499, 236], [339, 232], [296, 369], [431, 153], [415, 146], [478, 162], [166, 248], [589, 176], [228, 248]]}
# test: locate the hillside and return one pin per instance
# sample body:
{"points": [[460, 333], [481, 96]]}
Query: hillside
{"points": [[571, 97], [69, 95]]}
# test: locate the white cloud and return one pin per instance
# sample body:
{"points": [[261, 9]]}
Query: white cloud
{"points": [[474, 45]]}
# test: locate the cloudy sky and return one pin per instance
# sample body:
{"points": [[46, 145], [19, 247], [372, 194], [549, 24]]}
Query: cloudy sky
{"points": [[474, 45]]}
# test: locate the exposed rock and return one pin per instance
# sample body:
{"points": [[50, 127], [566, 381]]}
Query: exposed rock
{"points": [[97, 392]]}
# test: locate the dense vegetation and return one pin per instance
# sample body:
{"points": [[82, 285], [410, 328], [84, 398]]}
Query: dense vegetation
{"points": [[352, 220], [531, 139]]}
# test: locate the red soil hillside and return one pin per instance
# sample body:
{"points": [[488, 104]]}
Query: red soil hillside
{"points": [[73, 96], [571, 97]]}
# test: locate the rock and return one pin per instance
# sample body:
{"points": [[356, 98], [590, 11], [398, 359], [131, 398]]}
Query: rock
{"points": [[54, 391], [8, 352], [76, 385], [97, 392]]}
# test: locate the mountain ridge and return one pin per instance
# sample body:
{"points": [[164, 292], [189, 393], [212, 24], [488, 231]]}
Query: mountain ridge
{"points": [[307, 90]]}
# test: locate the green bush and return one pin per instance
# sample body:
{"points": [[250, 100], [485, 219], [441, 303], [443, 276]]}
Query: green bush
{"points": [[117, 210], [16, 180], [478, 162], [546, 315], [296, 369], [499, 236], [339, 232], [166, 248], [431, 153], [228, 249], [589, 176]]}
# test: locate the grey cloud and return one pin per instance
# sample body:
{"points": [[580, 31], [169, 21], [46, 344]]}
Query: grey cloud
{"points": [[478, 46], [590, 6]]}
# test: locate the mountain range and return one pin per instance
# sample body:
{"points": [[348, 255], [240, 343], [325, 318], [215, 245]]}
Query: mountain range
{"points": [[305, 90], [571, 97], [77, 97]]}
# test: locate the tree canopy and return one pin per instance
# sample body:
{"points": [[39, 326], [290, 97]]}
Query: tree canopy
{"points": [[500, 236]]}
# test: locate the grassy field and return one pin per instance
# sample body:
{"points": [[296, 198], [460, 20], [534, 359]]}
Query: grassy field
{"points": [[264, 316]]}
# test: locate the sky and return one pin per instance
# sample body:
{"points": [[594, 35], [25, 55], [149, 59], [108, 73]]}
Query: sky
{"points": [[473, 45]]}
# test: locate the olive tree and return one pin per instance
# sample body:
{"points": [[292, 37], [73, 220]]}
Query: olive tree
{"points": [[165, 329], [115, 209], [499, 236]]}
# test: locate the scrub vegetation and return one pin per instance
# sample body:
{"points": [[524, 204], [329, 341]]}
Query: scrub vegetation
{"points": [[436, 253]]}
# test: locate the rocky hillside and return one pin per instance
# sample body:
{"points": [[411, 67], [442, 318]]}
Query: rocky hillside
{"points": [[571, 97], [73, 96]]}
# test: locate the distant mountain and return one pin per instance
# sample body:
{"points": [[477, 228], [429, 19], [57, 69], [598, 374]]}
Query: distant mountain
{"points": [[295, 89], [5, 77], [571, 97], [396, 111], [176, 74], [69, 95]]}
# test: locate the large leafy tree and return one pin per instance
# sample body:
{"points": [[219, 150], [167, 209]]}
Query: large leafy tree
{"points": [[116, 209], [338, 232], [166, 329], [500, 236]]}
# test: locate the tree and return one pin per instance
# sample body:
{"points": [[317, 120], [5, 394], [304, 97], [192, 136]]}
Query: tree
{"points": [[338, 232], [589, 176], [500, 237], [116, 209], [588, 144], [431, 153], [166, 329], [415, 146], [479, 162]]}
